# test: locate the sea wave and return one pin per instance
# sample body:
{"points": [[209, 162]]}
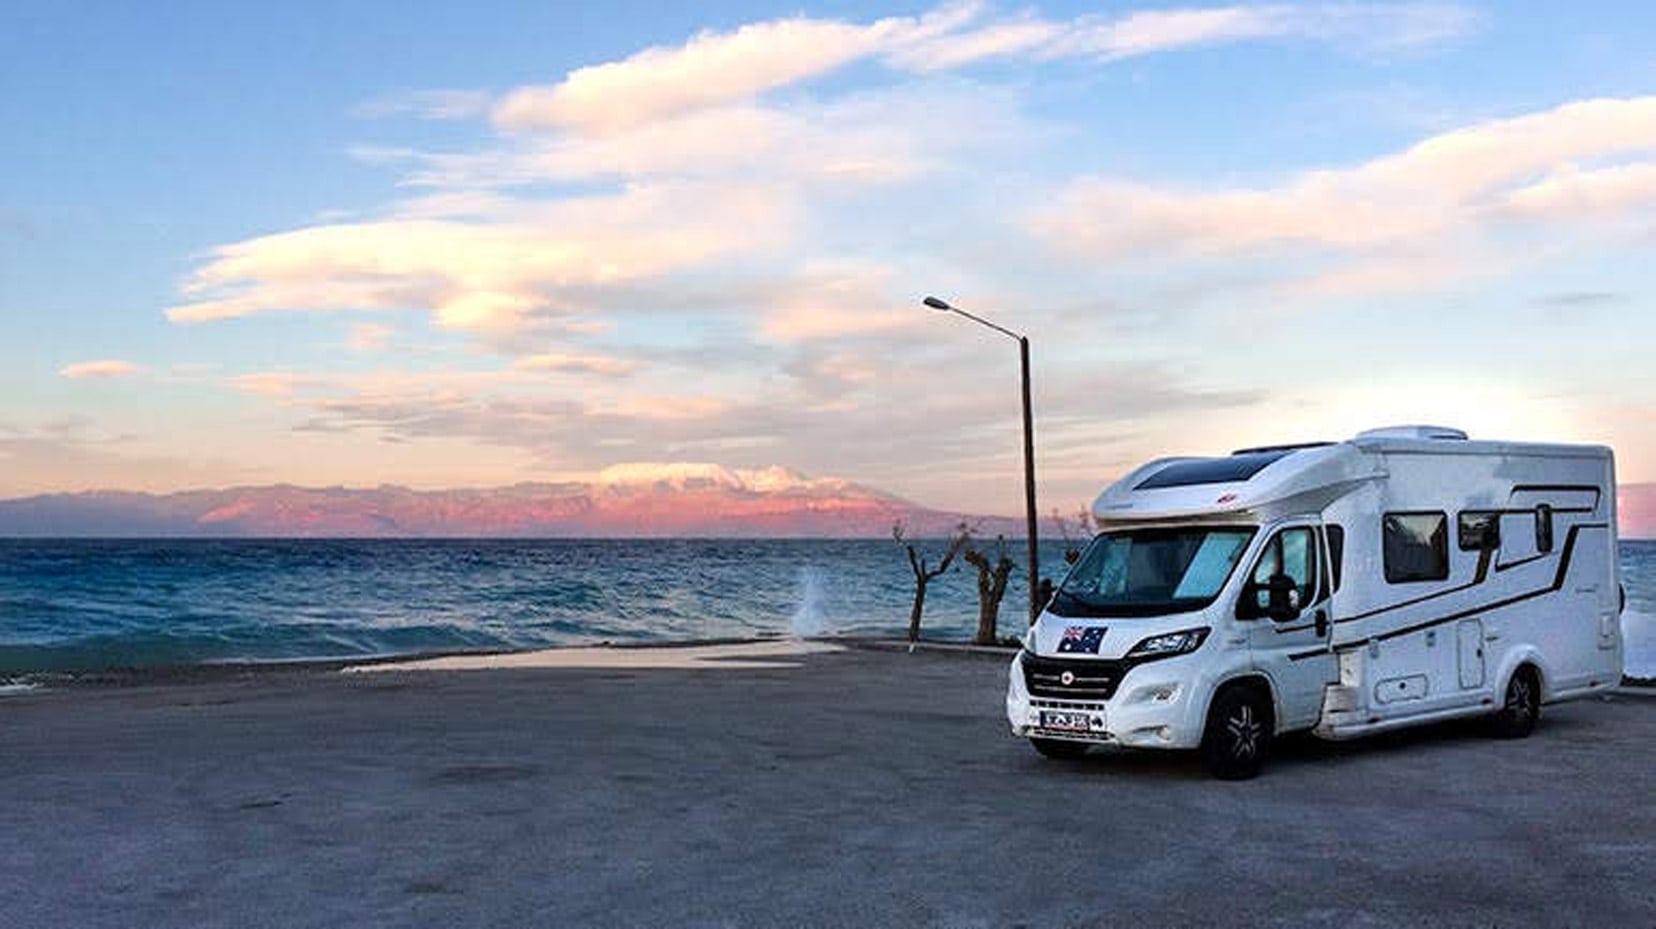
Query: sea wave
{"points": [[1638, 643], [71, 605]]}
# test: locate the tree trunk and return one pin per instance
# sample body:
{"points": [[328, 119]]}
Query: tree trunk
{"points": [[991, 585], [988, 619], [923, 576], [920, 582]]}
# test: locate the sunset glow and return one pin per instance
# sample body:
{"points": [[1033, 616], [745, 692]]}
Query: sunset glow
{"points": [[459, 249]]}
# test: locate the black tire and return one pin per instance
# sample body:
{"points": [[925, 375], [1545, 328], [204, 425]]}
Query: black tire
{"points": [[1237, 739], [1521, 706], [1060, 749]]}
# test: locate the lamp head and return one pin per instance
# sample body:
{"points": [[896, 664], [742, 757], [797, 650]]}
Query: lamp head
{"points": [[937, 304]]}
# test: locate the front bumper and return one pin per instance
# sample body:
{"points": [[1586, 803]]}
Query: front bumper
{"points": [[1150, 708]]}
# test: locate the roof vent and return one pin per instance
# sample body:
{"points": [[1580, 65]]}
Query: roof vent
{"points": [[1292, 447], [1414, 432]]}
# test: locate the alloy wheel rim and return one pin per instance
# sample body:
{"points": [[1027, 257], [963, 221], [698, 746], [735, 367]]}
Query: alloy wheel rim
{"points": [[1244, 731], [1518, 696]]}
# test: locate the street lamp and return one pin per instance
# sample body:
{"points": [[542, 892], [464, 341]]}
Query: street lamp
{"points": [[1028, 446]]}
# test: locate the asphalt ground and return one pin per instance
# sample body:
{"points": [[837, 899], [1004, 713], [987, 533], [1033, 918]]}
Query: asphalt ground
{"points": [[866, 788]]}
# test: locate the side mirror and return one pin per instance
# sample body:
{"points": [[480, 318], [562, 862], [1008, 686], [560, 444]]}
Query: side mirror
{"points": [[1284, 598]]}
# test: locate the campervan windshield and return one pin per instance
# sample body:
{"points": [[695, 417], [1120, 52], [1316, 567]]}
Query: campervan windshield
{"points": [[1151, 572]]}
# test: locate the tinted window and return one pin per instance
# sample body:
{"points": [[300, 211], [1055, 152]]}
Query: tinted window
{"points": [[1291, 552], [1416, 547], [1336, 551], [1211, 470], [1479, 532], [1543, 528]]}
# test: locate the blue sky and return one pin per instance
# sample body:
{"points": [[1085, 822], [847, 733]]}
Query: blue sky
{"points": [[493, 243]]}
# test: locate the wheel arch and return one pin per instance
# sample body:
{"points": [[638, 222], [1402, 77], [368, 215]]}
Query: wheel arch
{"points": [[1256, 681], [1516, 659]]}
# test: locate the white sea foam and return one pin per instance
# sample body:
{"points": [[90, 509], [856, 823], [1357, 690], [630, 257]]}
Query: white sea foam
{"points": [[1638, 643], [810, 620], [774, 654]]}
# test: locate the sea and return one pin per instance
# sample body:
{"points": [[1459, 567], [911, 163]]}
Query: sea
{"points": [[95, 604]]}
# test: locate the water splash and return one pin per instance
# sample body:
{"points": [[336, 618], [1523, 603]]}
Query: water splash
{"points": [[809, 619], [1638, 643]]}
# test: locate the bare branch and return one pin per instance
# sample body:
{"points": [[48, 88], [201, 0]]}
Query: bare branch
{"points": [[963, 535]]}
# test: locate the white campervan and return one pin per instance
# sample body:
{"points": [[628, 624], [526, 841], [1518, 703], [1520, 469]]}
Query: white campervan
{"points": [[1404, 576]]}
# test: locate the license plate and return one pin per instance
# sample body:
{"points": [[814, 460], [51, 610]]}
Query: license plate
{"points": [[1066, 722]]}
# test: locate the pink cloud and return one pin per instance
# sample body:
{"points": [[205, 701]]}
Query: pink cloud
{"points": [[103, 368]]}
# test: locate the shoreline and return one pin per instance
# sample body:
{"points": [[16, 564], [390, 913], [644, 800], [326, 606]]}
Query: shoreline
{"points": [[729, 652], [15, 683]]}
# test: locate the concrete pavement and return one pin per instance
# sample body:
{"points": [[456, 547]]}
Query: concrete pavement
{"points": [[864, 788]]}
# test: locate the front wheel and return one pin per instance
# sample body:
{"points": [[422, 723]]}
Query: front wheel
{"points": [[1238, 734], [1059, 749], [1522, 706]]}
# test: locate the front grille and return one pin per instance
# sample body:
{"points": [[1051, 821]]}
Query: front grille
{"points": [[1088, 680], [1064, 705]]}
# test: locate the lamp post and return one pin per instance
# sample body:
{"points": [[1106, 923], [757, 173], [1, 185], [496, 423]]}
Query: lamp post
{"points": [[1028, 446]]}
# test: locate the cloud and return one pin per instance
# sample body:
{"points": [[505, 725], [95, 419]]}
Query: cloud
{"points": [[844, 141], [703, 174], [103, 368], [1369, 27], [1581, 299], [566, 363], [1571, 193], [717, 68], [483, 276], [369, 337], [1003, 39], [271, 383], [712, 68], [1441, 210], [831, 299], [693, 248], [71, 454], [428, 104], [1451, 181], [1378, 26]]}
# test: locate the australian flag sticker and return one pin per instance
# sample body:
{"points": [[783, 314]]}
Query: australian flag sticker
{"points": [[1082, 640]]}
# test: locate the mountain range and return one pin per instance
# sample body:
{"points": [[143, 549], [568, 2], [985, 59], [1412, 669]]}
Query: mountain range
{"points": [[629, 500]]}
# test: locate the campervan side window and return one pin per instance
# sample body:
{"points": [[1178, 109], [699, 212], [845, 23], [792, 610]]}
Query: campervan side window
{"points": [[1416, 547], [1479, 532], [1543, 528], [1293, 553]]}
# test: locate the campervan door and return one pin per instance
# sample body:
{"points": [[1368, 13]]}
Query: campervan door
{"points": [[1293, 653]]}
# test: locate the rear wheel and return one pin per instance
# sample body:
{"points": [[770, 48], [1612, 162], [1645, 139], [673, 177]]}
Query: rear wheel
{"points": [[1238, 734], [1522, 706], [1060, 749]]}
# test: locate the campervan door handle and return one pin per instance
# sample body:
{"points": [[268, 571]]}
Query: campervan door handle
{"points": [[1321, 619]]}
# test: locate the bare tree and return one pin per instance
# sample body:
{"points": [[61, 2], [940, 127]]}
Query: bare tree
{"points": [[1084, 528], [923, 574], [991, 584]]}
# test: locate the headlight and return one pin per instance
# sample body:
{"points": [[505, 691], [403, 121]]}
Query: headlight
{"points": [[1173, 643]]}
